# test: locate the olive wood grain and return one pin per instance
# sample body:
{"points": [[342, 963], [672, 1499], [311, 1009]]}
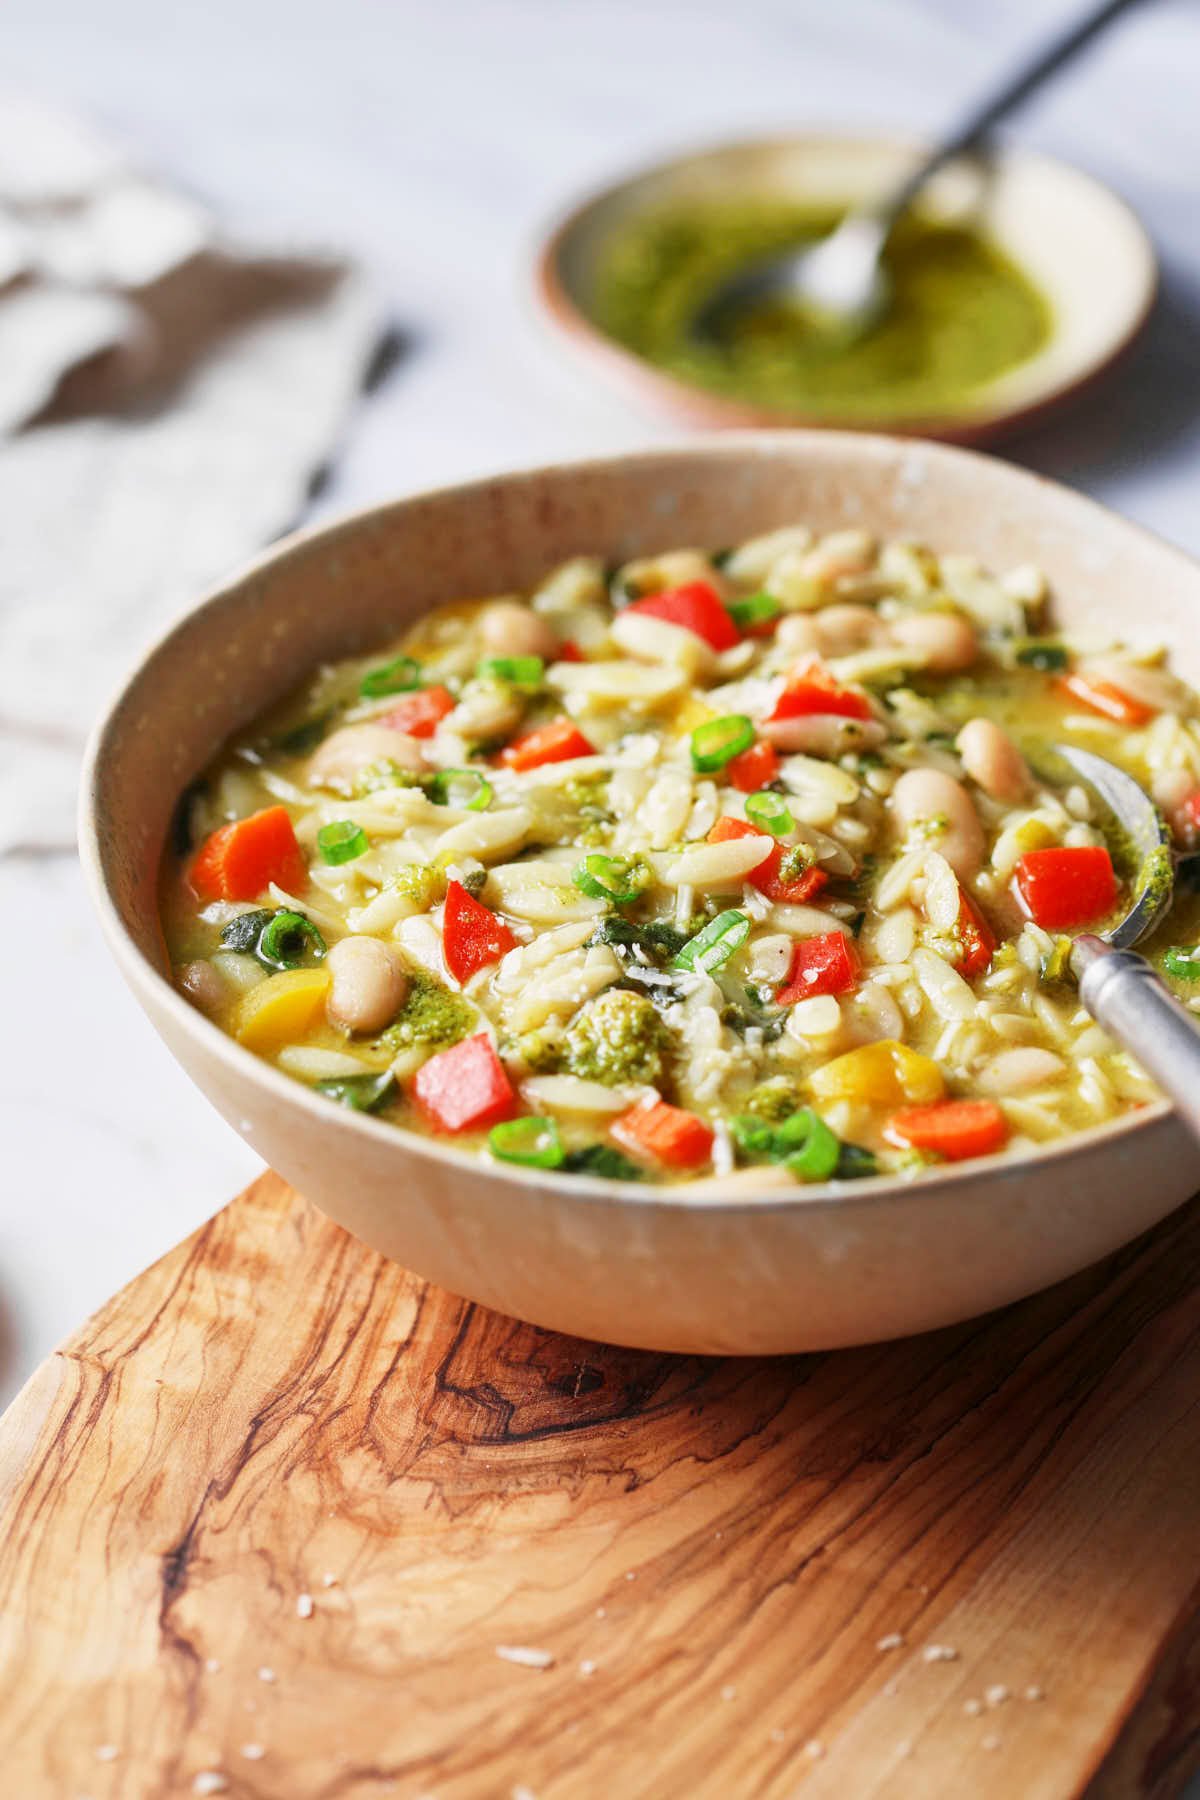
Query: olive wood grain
{"points": [[710, 1551]]}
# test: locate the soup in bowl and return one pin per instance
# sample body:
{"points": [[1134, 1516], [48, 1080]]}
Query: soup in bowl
{"points": [[638, 895]]}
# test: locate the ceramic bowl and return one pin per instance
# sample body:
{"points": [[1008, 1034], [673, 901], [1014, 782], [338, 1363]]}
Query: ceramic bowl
{"points": [[1082, 247], [676, 1269]]}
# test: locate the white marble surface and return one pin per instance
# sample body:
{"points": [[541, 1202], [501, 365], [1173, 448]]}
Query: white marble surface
{"points": [[433, 140]]}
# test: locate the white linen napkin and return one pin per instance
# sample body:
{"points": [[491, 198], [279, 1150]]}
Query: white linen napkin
{"points": [[166, 399]]}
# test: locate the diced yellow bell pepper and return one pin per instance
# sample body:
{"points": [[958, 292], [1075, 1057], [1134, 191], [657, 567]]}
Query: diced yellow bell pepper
{"points": [[691, 712], [884, 1074], [280, 1010]]}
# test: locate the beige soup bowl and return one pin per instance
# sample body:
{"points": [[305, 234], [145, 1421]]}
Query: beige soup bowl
{"points": [[702, 1270]]}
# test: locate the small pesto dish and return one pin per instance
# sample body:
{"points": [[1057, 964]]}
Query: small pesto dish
{"points": [[961, 313], [747, 861]]}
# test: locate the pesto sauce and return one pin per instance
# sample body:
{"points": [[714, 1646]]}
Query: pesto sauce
{"points": [[961, 313]]}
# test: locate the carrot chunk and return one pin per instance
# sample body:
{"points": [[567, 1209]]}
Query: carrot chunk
{"points": [[1103, 697], [240, 860], [465, 1088], [754, 768], [697, 608], [976, 937], [472, 935], [812, 689], [419, 714], [955, 1129], [559, 741], [1061, 888], [665, 1134]]}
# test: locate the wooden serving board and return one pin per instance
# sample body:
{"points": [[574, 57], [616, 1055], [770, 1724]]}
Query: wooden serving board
{"points": [[696, 1562]]}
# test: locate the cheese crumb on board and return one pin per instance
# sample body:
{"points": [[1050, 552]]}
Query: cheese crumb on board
{"points": [[891, 1641], [304, 1606], [934, 1653]]}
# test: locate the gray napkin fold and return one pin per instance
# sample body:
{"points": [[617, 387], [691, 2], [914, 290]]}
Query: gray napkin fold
{"points": [[166, 397]]}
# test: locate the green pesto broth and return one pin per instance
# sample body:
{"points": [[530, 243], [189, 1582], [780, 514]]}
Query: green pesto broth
{"points": [[962, 313]]}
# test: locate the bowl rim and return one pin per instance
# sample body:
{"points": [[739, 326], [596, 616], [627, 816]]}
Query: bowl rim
{"points": [[143, 977], [578, 330]]}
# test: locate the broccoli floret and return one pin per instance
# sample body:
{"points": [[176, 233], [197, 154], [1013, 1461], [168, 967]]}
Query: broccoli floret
{"points": [[430, 1015], [540, 1051], [616, 1037], [773, 1100], [422, 884], [379, 775]]}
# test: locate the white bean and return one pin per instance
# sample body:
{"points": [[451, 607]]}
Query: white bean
{"points": [[843, 629], [341, 759], [203, 985], [510, 628], [922, 797], [990, 757], [1013, 1071], [823, 734], [945, 641], [368, 984]]}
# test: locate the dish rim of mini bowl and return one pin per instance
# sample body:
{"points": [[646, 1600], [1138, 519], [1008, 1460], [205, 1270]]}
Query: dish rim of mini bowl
{"points": [[704, 1192], [580, 333]]}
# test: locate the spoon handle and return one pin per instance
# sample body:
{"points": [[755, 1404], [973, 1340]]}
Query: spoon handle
{"points": [[994, 106], [1123, 993]]}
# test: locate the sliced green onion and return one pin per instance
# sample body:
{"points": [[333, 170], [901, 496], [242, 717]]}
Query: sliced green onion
{"points": [[617, 879], [342, 841], [1182, 962], [768, 811], [713, 946], [521, 671], [395, 677], [533, 1142], [363, 1093], [474, 797], [803, 1142], [756, 609], [719, 741], [1042, 653], [820, 1151], [282, 943]]}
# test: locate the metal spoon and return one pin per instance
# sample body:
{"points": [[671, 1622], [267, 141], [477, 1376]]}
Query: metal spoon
{"points": [[1120, 989], [841, 281]]}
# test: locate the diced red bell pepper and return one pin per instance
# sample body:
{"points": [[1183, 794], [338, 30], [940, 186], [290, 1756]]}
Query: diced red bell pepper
{"points": [[465, 1088], [976, 937], [1103, 697], [955, 1129], [811, 688], [1186, 818], [754, 768], [1066, 887], [765, 876], [665, 1134], [697, 607], [827, 964], [419, 713], [569, 651], [559, 741], [240, 860], [472, 935]]}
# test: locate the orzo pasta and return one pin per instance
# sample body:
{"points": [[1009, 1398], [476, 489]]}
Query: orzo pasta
{"points": [[745, 865]]}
